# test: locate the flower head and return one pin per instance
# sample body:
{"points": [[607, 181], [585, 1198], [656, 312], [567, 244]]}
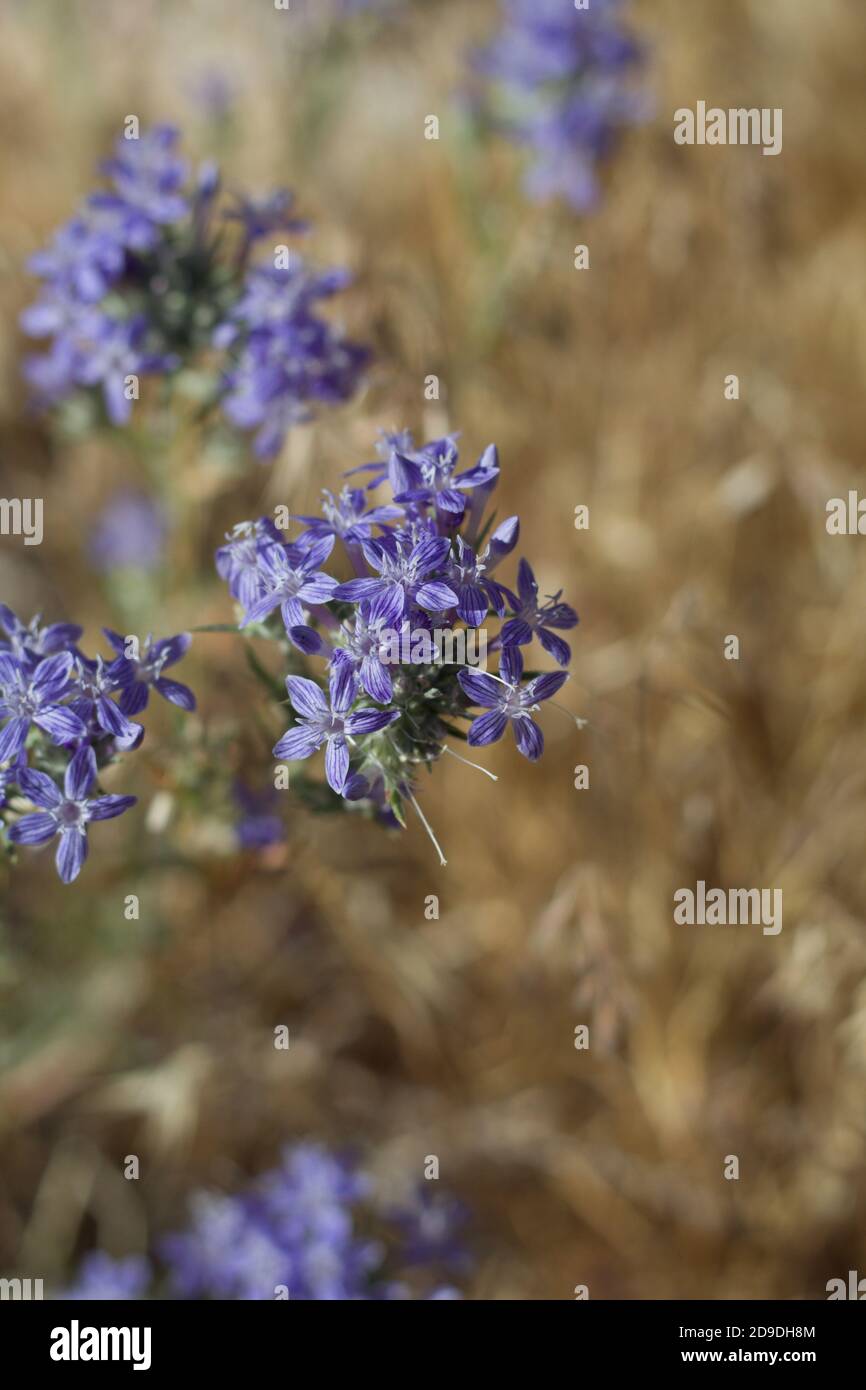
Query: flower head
{"points": [[325, 719], [136, 676], [509, 702], [66, 813]]}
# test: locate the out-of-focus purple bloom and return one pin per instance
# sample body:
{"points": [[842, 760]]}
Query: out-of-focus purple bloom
{"points": [[562, 85], [297, 1232], [65, 813], [102, 1278], [433, 1229], [327, 720], [290, 360], [112, 352], [534, 619], [509, 702], [271, 212], [129, 533], [82, 262], [149, 174], [136, 676], [214, 91], [259, 825]]}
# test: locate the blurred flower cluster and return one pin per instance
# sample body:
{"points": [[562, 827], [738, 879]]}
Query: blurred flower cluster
{"points": [[309, 1229], [560, 82], [399, 668], [64, 717], [153, 275]]}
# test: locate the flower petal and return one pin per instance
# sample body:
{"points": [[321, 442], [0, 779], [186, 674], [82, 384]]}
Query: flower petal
{"points": [[544, 686], [107, 807], [307, 697], [480, 689], [34, 829], [529, 738], [487, 728], [370, 721], [39, 788], [60, 723], [12, 738], [298, 743], [376, 680], [337, 762], [71, 854], [436, 597], [80, 774], [176, 693]]}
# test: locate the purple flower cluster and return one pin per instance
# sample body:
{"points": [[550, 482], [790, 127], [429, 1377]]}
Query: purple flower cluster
{"points": [[296, 1233], [63, 717], [400, 636], [289, 359], [561, 84], [150, 275]]}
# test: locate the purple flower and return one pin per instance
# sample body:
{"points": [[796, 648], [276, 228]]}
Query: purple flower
{"points": [[33, 697], [408, 569], [112, 351], [259, 825], [327, 720], [292, 577], [270, 213], [148, 174], [297, 1230], [214, 91], [82, 262], [561, 86], [136, 676], [65, 813], [432, 1228], [509, 702], [102, 1278], [534, 619], [290, 359], [431, 476], [239, 562], [349, 517], [93, 684], [129, 533], [29, 642], [475, 590], [366, 642]]}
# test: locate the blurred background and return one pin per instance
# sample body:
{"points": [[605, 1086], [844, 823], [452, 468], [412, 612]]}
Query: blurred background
{"points": [[605, 387]]}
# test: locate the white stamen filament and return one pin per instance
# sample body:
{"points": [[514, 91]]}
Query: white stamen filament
{"points": [[426, 824], [492, 775]]}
